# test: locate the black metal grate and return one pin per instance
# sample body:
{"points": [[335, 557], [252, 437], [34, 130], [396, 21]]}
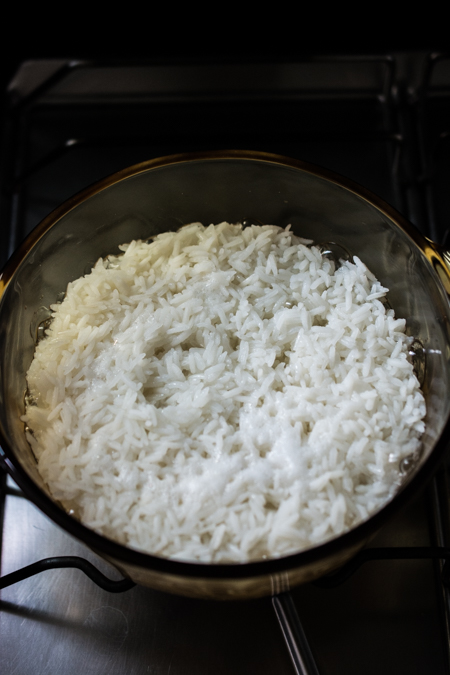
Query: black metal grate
{"points": [[382, 121]]}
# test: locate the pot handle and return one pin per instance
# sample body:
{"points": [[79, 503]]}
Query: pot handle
{"points": [[294, 635]]}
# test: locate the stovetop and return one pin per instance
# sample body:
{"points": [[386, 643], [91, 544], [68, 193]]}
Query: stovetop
{"points": [[379, 120]]}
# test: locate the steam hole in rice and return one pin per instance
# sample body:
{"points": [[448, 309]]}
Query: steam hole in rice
{"points": [[225, 393]]}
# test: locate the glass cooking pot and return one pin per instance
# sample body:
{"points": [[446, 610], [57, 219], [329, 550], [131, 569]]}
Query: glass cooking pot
{"points": [[164, 194]]}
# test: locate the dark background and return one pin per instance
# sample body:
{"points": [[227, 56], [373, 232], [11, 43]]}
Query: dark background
{"points": [[171, 34]]}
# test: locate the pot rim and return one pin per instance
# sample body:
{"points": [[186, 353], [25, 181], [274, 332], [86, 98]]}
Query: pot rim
{"points": [[232, 570]]}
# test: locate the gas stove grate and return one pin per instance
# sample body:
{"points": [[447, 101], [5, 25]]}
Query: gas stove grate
{"points": [[382, 121]]}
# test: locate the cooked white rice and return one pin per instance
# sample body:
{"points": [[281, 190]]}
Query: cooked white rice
{"points": [[223, 394]]}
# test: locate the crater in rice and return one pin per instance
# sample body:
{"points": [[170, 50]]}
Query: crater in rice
{"points": [[223, 393]]}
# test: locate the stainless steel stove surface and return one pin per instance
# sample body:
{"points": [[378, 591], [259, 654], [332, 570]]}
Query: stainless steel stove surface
{"points": [[382, 121]]}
